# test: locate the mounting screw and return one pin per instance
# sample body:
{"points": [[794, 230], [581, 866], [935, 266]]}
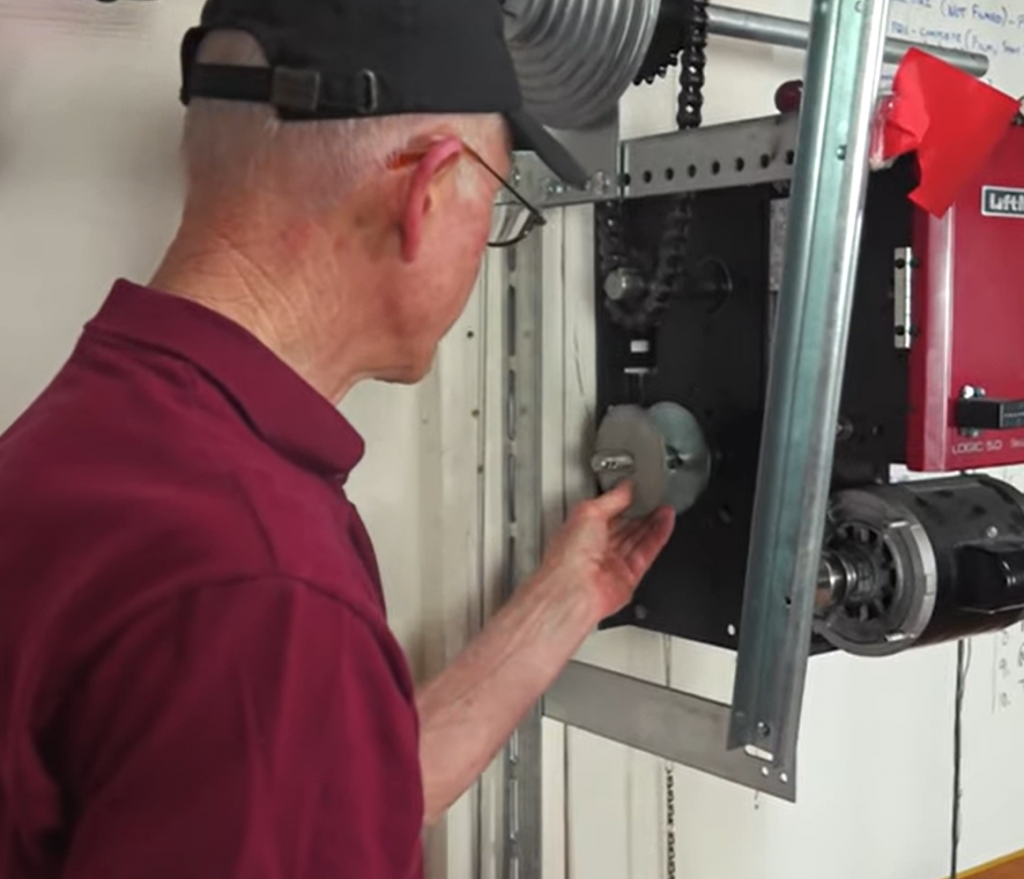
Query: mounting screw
{"points": [[763, 730], [555, 187], [991, 532], [640, 612], [841, 152], [516, 177]]}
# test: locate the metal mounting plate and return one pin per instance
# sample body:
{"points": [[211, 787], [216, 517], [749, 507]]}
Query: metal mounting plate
{"points": [[596, 148]]}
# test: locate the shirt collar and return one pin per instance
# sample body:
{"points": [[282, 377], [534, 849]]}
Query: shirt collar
{"points": [[279, 404]]}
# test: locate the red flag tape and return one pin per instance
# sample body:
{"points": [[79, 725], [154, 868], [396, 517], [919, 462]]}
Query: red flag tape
{"points": [[951, 119]]}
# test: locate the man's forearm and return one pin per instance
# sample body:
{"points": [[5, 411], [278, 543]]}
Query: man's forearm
{"points": [[590, 569], [469, 711]]}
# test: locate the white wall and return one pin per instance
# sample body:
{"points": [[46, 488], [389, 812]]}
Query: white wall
{"points": [[875, 761]]}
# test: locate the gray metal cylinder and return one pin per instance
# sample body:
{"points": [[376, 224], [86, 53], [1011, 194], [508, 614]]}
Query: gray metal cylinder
{"points": [[775, 30], [575, 58]]}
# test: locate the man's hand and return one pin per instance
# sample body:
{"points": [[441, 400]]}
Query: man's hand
{"points": [[601, 555]]}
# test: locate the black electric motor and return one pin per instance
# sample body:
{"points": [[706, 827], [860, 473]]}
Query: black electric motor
{"points": [[917, 563]]}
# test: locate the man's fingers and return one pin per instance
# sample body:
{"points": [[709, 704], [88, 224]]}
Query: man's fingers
{"points": [[651, 539], [615, 502]]}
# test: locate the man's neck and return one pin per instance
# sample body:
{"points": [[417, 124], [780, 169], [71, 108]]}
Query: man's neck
{"points": [[277, 305]]}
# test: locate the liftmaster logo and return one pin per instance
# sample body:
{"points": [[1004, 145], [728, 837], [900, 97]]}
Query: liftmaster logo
{"points": [[997, 201]]}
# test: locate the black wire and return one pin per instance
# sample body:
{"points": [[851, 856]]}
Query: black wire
{"points": [[963, 663]]}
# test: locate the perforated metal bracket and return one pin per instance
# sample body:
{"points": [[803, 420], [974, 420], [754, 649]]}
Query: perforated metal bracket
{"points": [[746, 153]]}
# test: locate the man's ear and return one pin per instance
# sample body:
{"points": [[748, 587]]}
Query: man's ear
{"points": [[418, 202]]}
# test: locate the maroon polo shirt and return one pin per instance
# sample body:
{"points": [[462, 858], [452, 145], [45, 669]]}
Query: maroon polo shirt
{"points": [[196, 677]]}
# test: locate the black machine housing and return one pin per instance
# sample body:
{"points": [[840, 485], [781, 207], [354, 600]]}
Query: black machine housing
{"points": [[708, 350]]}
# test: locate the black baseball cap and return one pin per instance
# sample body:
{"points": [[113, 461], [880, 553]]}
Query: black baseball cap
{"points": [[345, 59]]}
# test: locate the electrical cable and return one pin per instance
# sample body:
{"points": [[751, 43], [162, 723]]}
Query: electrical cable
{"points": [[670, 778], [963, 664]]}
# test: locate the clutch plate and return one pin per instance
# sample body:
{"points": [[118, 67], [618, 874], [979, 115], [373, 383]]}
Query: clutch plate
{"points": [[661, 449]]}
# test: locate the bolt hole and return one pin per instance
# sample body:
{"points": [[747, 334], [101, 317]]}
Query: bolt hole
{"points": [[670, 173], [648, 176], [740, 164], [716, 166], [764, 771], [789, 601], [627, 179], [691, 171], [784, 777], [766, 160], [790, 157]]}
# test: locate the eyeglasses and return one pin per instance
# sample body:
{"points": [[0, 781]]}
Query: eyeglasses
{"points": [[512, 227], [512, 223]]}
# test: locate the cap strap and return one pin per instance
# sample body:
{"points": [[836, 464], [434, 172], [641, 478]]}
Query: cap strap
{"points": [[290, 90]]}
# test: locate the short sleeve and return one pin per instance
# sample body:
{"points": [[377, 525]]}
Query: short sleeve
{"points": [[256, 730]]}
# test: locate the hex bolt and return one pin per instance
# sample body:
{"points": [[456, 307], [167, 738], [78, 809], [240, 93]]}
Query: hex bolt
{"points": [[622, 283], [612, 462], [599, 182]]}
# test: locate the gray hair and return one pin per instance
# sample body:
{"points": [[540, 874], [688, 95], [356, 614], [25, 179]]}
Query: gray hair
{"points": [[231, 145]]}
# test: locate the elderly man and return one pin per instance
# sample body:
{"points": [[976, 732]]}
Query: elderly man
{"points": [[196, 675]]}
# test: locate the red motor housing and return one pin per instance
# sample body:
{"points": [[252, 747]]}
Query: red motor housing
{"points": [[966, 323]]}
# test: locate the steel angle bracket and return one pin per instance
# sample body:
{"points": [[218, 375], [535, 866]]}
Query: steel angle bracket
{"points": [[805, 379], [522, 437], [681, 727]]}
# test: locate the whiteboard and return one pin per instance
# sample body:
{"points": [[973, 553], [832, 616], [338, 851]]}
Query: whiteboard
{"points": [[992, 28]]}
